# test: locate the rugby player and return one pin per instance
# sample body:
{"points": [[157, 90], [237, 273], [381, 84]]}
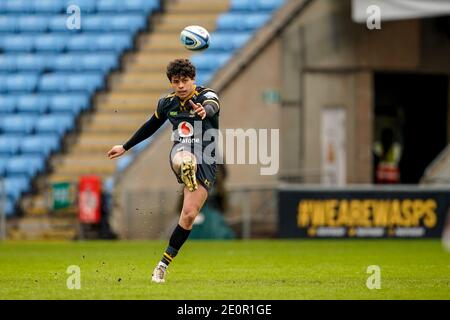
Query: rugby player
{"points": [[191, 110]]}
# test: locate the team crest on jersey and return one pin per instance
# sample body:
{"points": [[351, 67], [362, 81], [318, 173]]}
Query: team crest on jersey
{"points": [[185, 129]]}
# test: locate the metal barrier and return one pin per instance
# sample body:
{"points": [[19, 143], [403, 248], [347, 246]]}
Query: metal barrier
{"points": [[152, 214]]}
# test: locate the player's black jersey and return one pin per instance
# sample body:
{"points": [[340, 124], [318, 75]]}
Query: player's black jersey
{"points": [[187, 125]]}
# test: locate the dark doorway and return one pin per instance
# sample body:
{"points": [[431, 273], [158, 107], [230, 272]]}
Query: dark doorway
{"points": [[414, 106]]}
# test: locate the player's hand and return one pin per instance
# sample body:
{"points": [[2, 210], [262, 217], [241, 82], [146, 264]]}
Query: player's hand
{"points": [[116, 151], [199, 109]]}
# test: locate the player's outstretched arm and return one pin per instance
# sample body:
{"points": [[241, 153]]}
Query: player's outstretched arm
{"points": [[144, 132]]}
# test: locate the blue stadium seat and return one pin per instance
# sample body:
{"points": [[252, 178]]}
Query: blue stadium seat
{"points": [[110, 6], [269, 5], [101, 62], [210, 61], [68, 103], [113, 23], [52, 141], [8, 63], [2, 83], [240, 39], [15, 186], [64, 105], [85, 62], [82, 42], [7, 104], [82, 100], [9, 207], [9, 145], [141, 5], [66, 62], [58, 23], [243, 5], [50, 42], [28, 165], [53, 82], [88, 82], [127, 6], [86, 6], [39, 144], [48, 6], [44, 67], [3, 161], [32, 104], [31, 62], [116, 42], [202, 78], [95, 23], [256, 21], [20, 124], [231, 21], [17, 42], [25, 82], [221, 42], [255, 5], [55, 124], [124, 162], [226, 41], [113, 42], [18, 6], [32, 23], [8, 23], [141, 146], [130, 23]]}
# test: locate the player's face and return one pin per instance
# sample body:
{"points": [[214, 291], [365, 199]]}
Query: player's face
{"points": [[183, 86]]}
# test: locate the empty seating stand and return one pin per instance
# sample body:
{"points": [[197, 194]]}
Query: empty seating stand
{"points": [[49, 73], [233, 29]]}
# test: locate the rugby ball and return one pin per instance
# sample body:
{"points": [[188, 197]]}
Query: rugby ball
{"points": [[195, 38]]}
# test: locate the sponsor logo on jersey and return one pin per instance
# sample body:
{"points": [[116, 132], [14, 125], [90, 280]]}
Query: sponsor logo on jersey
{"points": [[185, 129]]}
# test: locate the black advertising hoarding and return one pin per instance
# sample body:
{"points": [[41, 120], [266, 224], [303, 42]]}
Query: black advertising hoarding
{"points": [[362, 212]]}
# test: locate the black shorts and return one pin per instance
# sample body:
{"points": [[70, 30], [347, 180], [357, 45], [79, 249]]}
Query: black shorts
{"points": [[205, 173]]}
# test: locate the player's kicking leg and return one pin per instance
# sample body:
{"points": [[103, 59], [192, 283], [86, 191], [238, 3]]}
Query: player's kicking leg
{"points": [[194, 197], [184, 164], [193, 202]]}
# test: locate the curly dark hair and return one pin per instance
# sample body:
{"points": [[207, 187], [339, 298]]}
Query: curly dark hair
{"points": [[180, 68]]}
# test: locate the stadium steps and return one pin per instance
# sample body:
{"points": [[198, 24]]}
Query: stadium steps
{"points": [[122, 102], [198, 6], [44, 228], [130, 100], [106, 127], [174, 22], [67, 177]]}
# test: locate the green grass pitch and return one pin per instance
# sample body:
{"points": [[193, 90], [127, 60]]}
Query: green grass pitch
{"points": [[266, 269]]}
